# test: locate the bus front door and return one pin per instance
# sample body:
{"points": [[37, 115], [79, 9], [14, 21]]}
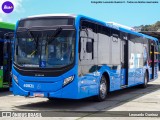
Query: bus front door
{"points": [[7, 53], [1, 64]]}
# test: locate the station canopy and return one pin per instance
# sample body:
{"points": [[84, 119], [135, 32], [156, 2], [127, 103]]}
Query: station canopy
{"points": [[155, 34]]}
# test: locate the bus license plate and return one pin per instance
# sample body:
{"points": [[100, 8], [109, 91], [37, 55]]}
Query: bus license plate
{"points": [[38, 94]]}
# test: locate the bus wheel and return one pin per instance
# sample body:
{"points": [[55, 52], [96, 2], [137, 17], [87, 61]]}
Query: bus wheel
{"points": [[102, 90], [144, 85]]}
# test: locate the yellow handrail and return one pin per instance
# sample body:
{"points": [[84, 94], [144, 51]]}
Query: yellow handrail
{"points": [[155, 52]]}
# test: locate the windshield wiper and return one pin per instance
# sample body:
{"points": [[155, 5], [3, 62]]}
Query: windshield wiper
{"points": [[27, 30], [54, 35], [30, 34]]}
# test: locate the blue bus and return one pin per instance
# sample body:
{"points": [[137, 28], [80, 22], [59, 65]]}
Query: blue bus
{"points": [[75, 56]]}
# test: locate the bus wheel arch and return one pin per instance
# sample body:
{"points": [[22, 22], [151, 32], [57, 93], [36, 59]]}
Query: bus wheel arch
{"points": [[146, 79], [103, 87], [106, 75]]}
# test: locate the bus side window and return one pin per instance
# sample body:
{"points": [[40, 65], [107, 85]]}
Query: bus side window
{"points": [[115, 48], [86, 42], [89, 47]]}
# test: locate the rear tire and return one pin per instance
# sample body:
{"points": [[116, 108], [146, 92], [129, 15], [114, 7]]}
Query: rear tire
{"points": [[103, 90], [144, 85]]}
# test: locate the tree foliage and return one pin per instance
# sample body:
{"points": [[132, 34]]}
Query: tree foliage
{"points": [[153, 27]]}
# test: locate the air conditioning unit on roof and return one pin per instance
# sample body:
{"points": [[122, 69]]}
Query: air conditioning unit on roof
{"points": [[120, 25]]}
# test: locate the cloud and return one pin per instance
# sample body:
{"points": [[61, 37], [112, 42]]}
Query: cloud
{"points": [[1, 19], [17, 8]]}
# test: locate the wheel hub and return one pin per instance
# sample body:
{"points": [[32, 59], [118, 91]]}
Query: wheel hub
{"points": [[103, 89]]}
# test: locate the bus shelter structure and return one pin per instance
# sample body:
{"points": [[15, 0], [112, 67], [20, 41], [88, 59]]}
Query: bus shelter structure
{"points": [[157, 35], [153, 33]]}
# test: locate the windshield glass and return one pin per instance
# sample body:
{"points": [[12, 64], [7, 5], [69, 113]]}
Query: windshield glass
{"points": [[45, 50]]}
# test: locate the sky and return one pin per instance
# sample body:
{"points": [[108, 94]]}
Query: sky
{"points": [[122, 13]]}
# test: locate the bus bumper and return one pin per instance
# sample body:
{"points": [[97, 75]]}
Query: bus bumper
{"points": [[18, 90], [65, 92]]}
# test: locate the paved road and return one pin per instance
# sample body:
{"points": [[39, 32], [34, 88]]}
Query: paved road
{"points": [[132, 99]]}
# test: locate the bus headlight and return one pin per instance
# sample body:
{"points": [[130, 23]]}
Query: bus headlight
{"points": [[15, 78], [68, 80]]}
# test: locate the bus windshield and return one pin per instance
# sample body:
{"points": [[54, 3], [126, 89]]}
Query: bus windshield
{"points": [[45, 50]]}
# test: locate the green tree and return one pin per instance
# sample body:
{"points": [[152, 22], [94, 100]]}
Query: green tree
{"points": [[153, 27]]}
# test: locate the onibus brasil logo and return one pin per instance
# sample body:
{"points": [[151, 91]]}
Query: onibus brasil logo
{"points": [[7, 7]]}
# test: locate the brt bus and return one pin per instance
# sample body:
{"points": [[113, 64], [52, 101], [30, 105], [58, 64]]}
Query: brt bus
{"points": [[74, 57], [5, 53]]}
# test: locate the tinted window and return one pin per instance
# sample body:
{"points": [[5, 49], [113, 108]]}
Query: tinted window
{"points": [[3, 32], [86, 24], [47, 22], [137, 51]]}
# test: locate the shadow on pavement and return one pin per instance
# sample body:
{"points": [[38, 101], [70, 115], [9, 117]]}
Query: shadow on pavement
{"points": [[114, 99]]}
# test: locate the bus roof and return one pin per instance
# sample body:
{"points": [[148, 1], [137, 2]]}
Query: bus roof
{"points": [[50, 15], [119, 28], [5, 25], [101, 22]]}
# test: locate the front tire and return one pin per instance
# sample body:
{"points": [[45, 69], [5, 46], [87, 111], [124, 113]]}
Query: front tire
{"points": [[103, 89]]}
